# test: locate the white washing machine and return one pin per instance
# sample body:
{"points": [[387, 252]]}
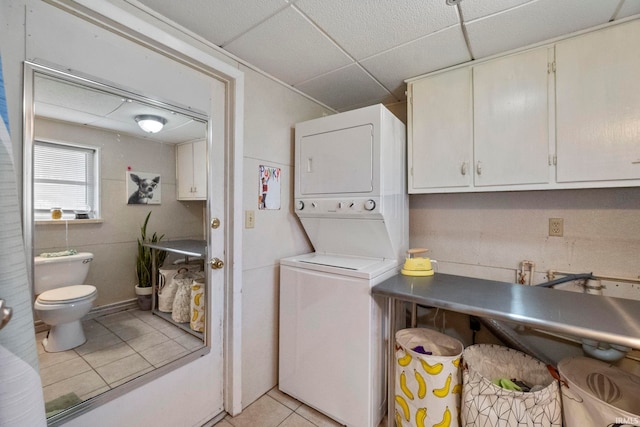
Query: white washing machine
{"points": [[332, 335], [350, 196]]}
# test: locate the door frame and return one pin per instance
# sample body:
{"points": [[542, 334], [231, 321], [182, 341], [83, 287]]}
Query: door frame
{"points": [[133, 21]]}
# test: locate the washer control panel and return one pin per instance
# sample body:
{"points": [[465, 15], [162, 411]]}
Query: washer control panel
{"points": [[343, 206]]}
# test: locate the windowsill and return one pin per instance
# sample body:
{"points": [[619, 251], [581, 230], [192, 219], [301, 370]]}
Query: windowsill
{"points": [[69, 221]]}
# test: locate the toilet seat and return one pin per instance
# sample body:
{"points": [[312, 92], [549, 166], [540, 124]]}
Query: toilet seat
{"points": [[67, 294]]}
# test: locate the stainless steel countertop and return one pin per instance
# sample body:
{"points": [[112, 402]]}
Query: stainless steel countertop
{"points": [[605, 319], [197, 248]]}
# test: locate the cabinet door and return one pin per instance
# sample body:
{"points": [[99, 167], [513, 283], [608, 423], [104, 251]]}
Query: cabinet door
{"points": [[511, 120], [200, 170], [598, 105], [440, 131], [184, 170]]}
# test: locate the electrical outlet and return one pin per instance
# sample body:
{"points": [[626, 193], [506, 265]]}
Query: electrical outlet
{"points": [[249, 219], [556, 227]]}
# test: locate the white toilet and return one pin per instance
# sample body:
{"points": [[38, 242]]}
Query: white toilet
{"points": [[62, 298]]}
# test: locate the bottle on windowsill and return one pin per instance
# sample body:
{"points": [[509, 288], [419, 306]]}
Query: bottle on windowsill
{"points": [[56, 213]]}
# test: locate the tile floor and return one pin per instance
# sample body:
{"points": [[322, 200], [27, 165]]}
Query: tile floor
{"points": [[119, 347], [278, 409], [125, 345]]}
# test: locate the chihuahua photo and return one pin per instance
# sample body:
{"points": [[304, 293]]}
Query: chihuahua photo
{"points": [[142, 188]]}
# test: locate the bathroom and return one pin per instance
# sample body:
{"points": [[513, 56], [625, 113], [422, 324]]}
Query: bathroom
{"points": [[484, 235], [113, 241]]}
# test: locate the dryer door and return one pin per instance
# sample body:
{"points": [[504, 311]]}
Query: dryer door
{"points": [[337, 162]]}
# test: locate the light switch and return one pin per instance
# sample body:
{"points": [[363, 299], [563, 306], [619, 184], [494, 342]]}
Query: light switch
{"points": [[249, 219]]}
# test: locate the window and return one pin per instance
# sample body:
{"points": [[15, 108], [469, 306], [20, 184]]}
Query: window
{"points": [[66, 176]]}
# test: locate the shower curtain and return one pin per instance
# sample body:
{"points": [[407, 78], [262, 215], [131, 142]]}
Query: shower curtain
{"points": [[21, 399]]}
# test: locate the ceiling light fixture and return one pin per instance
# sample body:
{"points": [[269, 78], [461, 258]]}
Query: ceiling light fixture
{"points": [[453, 2], [150, 123]]}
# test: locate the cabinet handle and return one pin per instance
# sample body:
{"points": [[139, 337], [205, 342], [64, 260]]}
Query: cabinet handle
{"points": [[637, 162], [463, 168], [479, 168]]}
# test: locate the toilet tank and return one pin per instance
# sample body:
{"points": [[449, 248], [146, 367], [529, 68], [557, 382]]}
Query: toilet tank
{"points": [[56, 272]]}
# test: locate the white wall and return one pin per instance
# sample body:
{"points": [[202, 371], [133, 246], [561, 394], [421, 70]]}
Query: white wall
{"points": [[271, 111], [487, 235]]}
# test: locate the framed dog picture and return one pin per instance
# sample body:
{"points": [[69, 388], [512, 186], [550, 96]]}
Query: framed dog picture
{"points": [[143, 188]]}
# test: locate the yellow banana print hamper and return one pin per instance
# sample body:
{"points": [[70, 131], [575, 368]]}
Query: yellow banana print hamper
{"points": [[427, 379], [197, 305]]}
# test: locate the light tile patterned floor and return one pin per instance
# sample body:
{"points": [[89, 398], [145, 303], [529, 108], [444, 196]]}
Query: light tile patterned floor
{"points": [[276, 409], [119, 347], [125, 345]]}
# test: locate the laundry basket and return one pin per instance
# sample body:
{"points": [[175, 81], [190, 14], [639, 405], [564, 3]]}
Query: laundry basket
{"points": [[167, 288], [487, 404], [597, 393], [427, 378], [197, 305]]}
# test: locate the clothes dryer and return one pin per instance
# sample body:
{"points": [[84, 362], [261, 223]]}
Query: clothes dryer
{"points": [[350, 196]]}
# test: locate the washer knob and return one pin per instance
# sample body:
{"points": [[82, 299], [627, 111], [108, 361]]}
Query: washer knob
{"points": [[370, 205], [300, 205]]}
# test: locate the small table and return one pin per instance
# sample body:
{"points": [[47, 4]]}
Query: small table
{"points": [[600, 318]]}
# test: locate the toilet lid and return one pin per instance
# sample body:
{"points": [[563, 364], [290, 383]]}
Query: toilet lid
{"points": [[67, 294]]}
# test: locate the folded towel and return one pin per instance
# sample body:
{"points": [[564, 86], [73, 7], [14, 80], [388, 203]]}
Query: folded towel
{"points": [[57, 254]]}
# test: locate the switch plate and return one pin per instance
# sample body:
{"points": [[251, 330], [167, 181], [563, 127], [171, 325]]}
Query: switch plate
{"points": [[249, 219], [556, 227]]}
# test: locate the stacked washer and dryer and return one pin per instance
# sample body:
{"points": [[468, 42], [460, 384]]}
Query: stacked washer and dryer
{"points": [[350, 196]]}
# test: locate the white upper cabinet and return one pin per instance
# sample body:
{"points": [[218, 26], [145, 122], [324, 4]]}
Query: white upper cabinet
{"points": [[563, 115], [440, 140], [511, 119], [598, 105], [191, 170]]}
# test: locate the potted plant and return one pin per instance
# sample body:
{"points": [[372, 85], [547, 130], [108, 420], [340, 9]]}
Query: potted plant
{"points": [[144, 264]]}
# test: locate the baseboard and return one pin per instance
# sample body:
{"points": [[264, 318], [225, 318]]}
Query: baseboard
{"points": [[102, 310], [116, 307]]}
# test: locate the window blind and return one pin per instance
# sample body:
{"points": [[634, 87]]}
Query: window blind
{"points": [[63, 176]]}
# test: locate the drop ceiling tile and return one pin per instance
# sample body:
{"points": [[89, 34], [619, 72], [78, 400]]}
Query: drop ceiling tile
{"points": [[535, 22], [472, 9], [75, 97], [289, 47], [629, 7], [64, 114], [364, 28], [433, 52], [347, 86], [218, 21]]}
